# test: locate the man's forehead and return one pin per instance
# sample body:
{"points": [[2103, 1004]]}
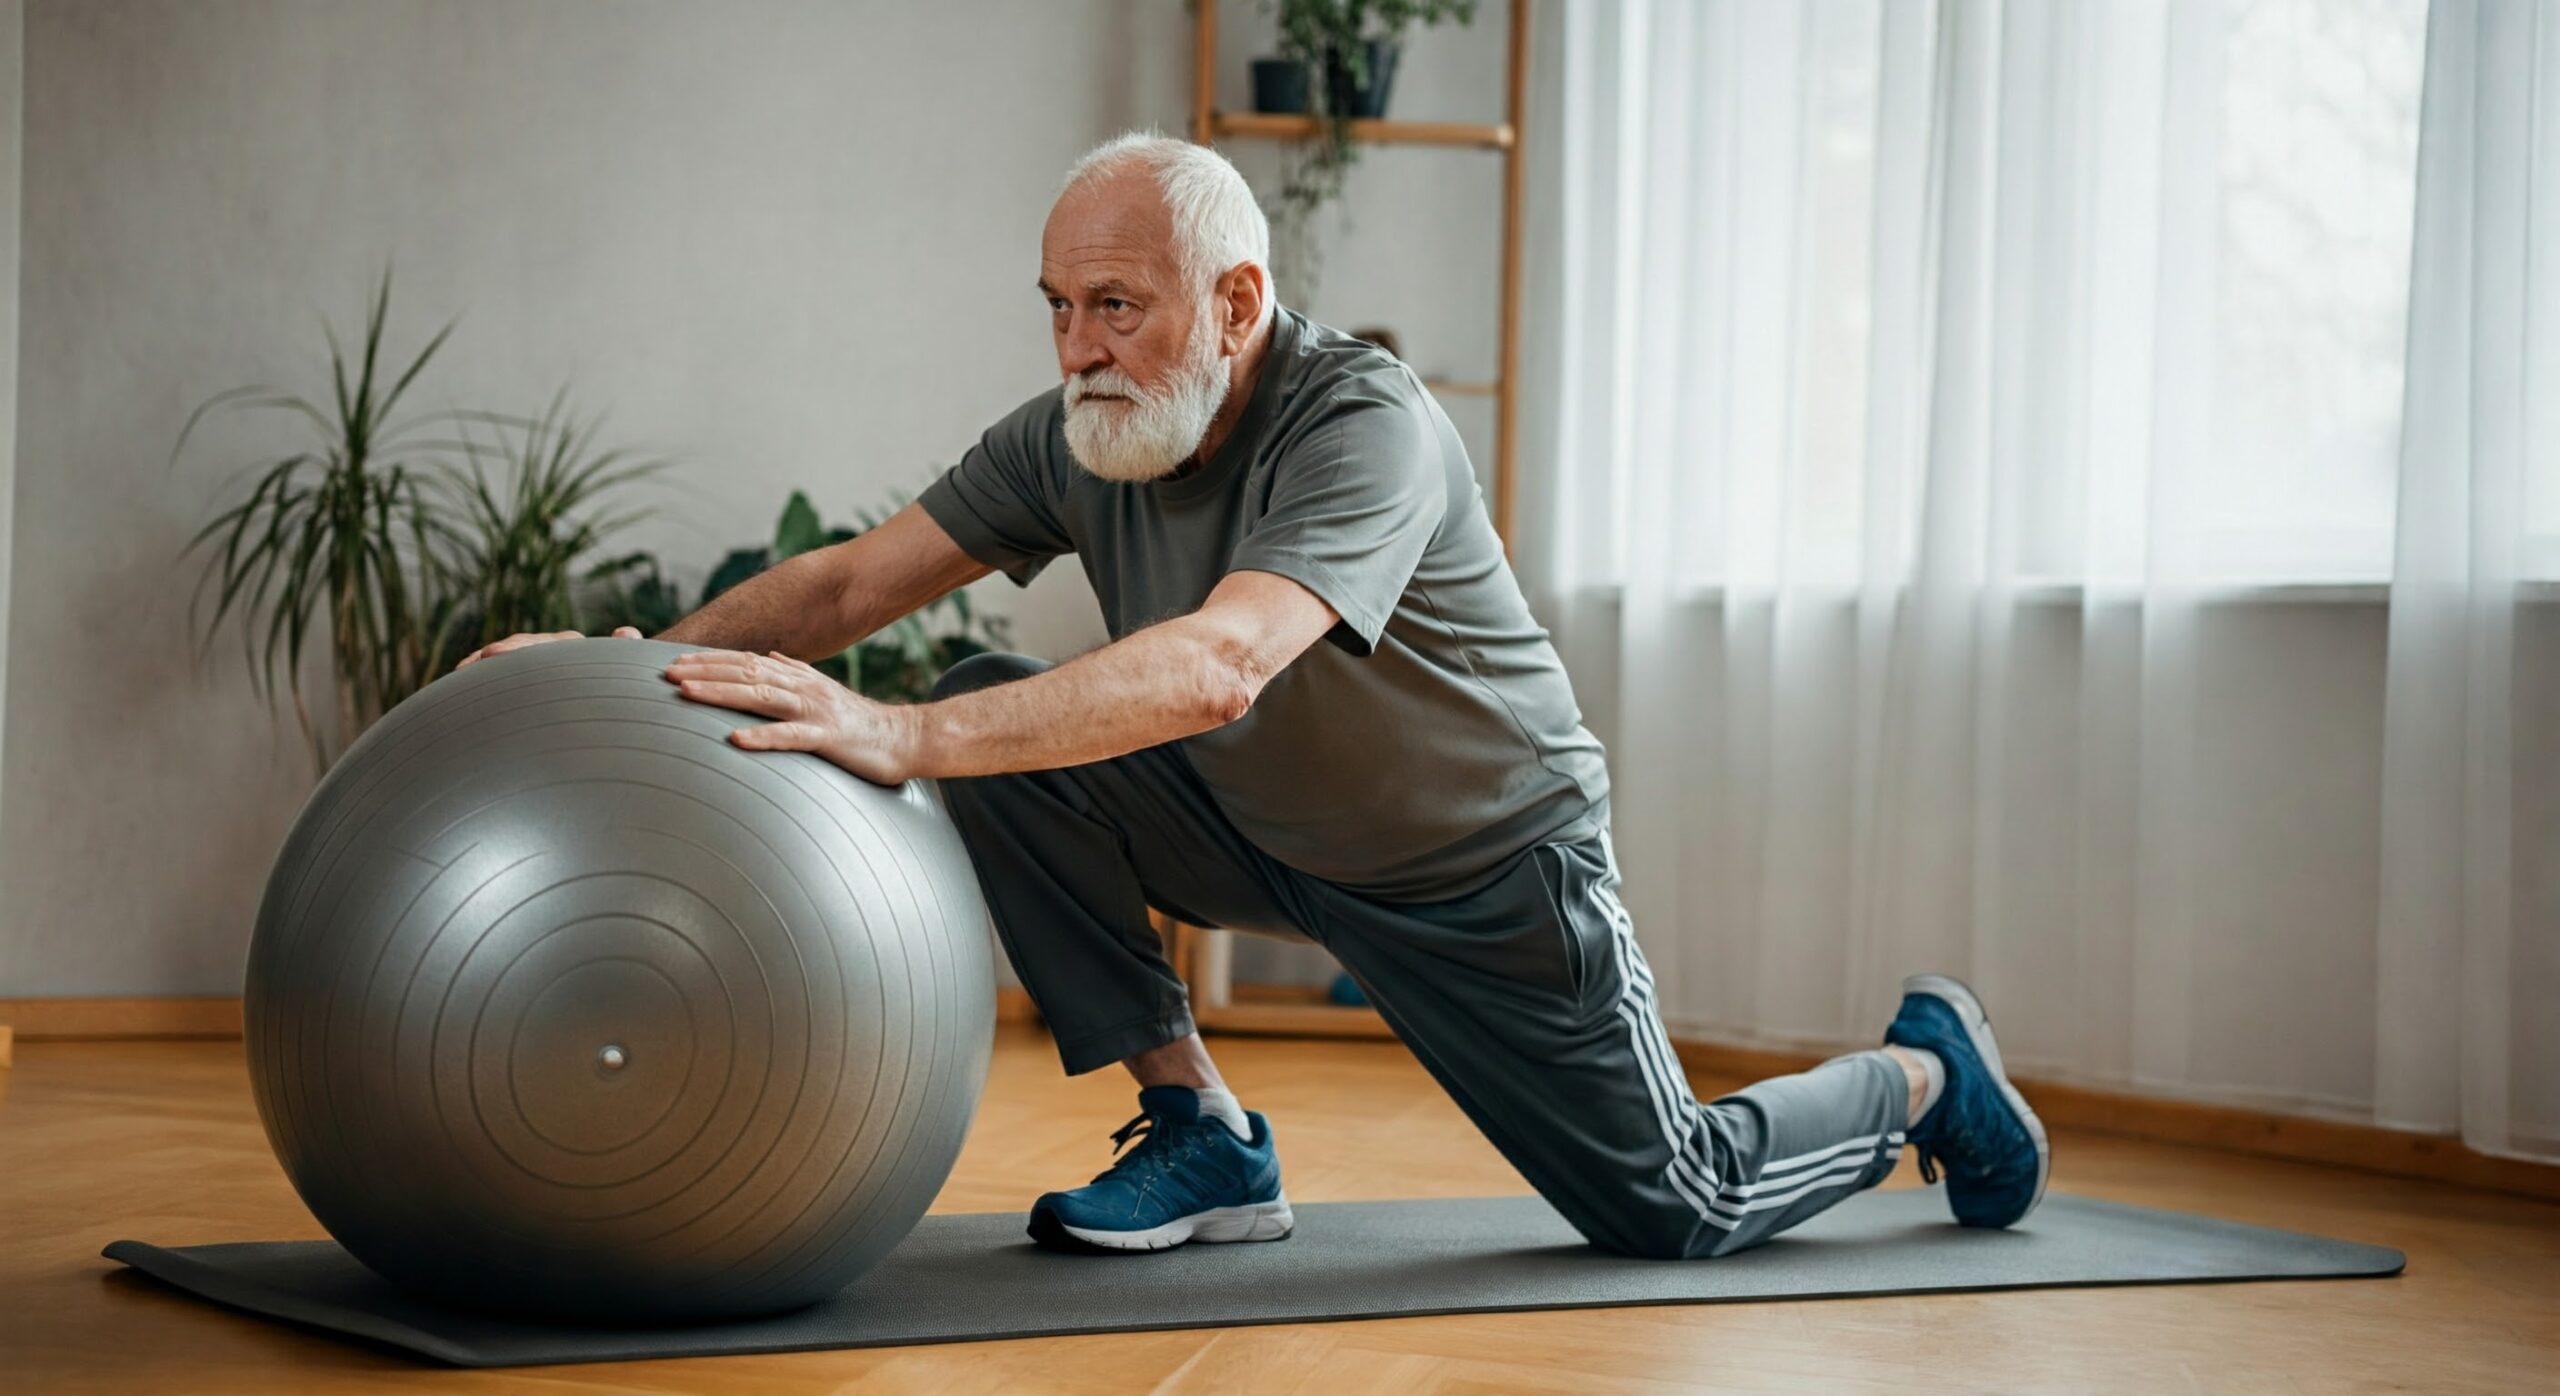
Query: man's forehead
{"points": [[1118, 227], [1099, 267], [1098, 275]]}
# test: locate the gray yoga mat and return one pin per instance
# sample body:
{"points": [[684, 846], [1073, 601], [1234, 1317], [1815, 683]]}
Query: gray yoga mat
{"points": [[972, 1276]]}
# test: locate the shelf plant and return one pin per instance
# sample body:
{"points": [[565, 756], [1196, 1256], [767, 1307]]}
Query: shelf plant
{"points": [[1354, 46]]}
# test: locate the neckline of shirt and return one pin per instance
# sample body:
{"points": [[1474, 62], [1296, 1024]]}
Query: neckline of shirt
{"points": [[1239, 442]]}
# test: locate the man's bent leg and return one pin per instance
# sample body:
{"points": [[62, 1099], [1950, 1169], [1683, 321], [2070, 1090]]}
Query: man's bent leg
{"points": [[1070, 860], [1532, 1005]]}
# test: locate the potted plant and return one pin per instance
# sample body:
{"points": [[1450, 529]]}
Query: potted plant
{"points": [[520, 537], [343, 529], [1355, 44], [389, 527], [631, 590], [900, 663], [1280, 86], [1283, 83]]}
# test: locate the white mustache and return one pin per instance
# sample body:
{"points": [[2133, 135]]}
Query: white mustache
{"points": [[1107, 381]]}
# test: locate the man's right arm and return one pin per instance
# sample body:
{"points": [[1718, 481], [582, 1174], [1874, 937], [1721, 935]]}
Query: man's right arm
{"points": [[822, 601], [816, 604]]}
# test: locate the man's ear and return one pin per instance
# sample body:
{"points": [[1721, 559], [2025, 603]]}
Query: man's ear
{"points": [[1242, 292]]}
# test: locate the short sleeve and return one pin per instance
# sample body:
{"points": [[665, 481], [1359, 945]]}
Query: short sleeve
{"points": [[1351, 511], [1002, 503]]}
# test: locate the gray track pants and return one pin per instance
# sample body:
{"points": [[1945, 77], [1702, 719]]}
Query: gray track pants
{"points": [[1527, 999]]}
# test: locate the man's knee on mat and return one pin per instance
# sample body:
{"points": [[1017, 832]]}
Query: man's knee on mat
{"points": [[1648, 1221]]}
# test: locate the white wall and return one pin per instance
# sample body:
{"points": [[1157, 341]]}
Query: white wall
{"points": [[792, 240]]}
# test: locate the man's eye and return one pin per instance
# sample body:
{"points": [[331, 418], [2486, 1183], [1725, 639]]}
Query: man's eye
{"points": [[1114, 303], [1057, 303]]}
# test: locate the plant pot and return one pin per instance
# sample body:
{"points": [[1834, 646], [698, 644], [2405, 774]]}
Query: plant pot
{"points": [[1280, 86], [1351, 96]]}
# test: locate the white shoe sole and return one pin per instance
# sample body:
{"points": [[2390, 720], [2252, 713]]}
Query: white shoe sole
{"points": [[1977, 1026], [1258, 1221]]}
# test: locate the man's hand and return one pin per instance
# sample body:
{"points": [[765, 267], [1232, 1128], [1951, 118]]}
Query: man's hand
{"points": [[811, 712], [519, 641]]}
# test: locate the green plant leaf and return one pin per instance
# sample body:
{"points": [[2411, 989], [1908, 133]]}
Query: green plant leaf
{"points": [[740, 564], [799, 530], [349, 536]]}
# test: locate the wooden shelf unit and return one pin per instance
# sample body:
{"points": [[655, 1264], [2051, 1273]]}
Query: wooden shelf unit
{"points": [[1273, 126], [1199, 955]]}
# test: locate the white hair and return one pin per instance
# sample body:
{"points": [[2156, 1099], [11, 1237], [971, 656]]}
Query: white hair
{"points": [[1216, 222]]}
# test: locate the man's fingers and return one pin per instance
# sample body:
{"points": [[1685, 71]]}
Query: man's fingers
{"points": [[489, 650], [723, 667], [519, 641], [494, 647], [762, 699], [533, 637], [779, 736], [737, 666]]}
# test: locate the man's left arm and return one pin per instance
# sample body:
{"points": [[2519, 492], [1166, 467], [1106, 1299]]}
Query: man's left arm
{"points": [[1174, 679]]}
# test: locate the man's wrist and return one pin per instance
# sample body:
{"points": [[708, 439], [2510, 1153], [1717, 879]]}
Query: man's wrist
{"points": [[924, 736]]}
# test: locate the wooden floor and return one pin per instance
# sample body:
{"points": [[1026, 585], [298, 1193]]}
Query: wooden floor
{"points": [[158, 1141]]}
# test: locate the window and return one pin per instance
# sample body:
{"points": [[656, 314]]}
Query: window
{"points": [[2135, 277], [2319, 148]]}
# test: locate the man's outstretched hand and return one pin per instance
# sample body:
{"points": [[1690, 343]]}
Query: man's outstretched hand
{"points": [[519, 641], [810, 712]]}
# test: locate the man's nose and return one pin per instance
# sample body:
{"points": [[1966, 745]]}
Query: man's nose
{"points": [[1080, 347]]}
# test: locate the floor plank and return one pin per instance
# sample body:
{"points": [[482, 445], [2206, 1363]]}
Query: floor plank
{"points": [[158, 1140]]}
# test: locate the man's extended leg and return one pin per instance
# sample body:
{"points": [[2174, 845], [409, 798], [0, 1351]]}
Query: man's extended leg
{"points": [[1532, 1005]]}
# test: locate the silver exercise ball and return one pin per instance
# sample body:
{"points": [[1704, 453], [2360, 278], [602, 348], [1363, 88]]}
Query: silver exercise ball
{"points": [[560, 1005]]}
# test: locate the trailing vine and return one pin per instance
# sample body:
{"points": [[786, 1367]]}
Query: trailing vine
{"points": [[1326, 35]]}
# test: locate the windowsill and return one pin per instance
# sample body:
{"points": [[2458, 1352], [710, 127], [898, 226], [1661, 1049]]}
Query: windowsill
{"points": [[2535, 591]]}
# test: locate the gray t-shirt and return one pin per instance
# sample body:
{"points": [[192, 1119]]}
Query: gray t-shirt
{"points": [[1436, 735]]}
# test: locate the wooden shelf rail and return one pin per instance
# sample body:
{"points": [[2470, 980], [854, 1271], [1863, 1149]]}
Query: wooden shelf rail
{"points": [[1200, 956], [1269, 126]]}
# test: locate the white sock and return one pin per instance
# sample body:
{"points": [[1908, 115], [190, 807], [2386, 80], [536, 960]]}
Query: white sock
{"points": [[1936, 1071], [1220, 1105]]}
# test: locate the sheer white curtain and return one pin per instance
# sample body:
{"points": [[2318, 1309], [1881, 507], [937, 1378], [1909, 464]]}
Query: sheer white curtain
{"points": [[2469, 953], [2013, 508]]}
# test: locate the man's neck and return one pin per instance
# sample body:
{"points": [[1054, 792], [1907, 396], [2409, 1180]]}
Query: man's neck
{"points": [[1240, 384]]}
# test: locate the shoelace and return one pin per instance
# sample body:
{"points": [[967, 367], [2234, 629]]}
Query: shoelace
{"points": [[1931, 1158], [1145, 1125], [1155, 1151]]}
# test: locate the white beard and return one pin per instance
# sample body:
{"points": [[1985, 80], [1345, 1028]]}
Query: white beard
{"points": [[1150, 435]]}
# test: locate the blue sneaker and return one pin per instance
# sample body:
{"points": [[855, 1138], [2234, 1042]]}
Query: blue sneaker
{"points": [[1980, 1131], [1188, 1179]]}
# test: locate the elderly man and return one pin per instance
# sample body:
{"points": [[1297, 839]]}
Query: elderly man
{"points": [[1325, 713]]}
